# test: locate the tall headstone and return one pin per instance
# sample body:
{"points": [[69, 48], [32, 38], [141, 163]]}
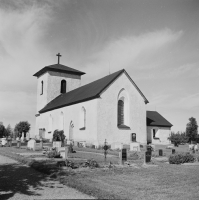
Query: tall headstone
{"points": [[122, 156], [28, 136], [22, 137], [160, 152], [147, 156]]}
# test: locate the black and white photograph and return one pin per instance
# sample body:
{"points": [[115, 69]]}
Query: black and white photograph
{"points": [[99, 99]]}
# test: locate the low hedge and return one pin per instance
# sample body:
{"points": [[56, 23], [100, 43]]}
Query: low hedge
{"points": [[180, 158]]}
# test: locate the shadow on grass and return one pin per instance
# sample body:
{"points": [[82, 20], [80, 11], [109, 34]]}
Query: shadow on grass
{"points": [[15, 178]]}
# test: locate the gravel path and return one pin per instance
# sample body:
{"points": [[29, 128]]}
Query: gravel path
{"points": [[18, 181]]}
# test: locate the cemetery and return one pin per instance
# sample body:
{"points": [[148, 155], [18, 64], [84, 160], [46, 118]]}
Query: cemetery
{"points": [[109, 169]]}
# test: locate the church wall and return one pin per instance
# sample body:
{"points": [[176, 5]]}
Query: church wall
{"points": [[161, 132], [72, 113], [54, 83], [107, 113], [42, 99]]}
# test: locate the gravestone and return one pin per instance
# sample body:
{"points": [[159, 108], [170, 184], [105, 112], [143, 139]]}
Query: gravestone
{"points": [[63, 152], [134, 146], [56, 144], [3, 141], [160, 152], [83, 143], [41, 144], [173, 151], [117, 145], [31, 144], [148, 156], [27, 136], [22, 137], [123, 156]]}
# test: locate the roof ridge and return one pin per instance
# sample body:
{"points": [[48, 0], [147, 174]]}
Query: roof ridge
{"points": [[117, 73]]}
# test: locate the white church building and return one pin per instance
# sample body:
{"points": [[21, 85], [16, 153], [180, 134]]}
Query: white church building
{"points": [[111, 108]]}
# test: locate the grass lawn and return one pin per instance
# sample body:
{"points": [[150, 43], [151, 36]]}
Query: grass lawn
{"points": [[164, 181]]}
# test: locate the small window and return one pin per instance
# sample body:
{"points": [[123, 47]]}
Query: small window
{"points": [[42, 87], [153, 133], [63, 86], [83, 119], [120, 112], [50, 124]]}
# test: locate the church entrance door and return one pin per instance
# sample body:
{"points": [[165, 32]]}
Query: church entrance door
{"points": [[71, 127]]}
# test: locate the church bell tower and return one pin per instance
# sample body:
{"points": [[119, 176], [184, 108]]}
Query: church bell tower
{"points": [[55, 80]]}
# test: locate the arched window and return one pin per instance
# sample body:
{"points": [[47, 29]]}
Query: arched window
{"points": [[123, 109], [50, 126], [42, 87], [71, 126], [83, 119], [61, 127], [120, 112], [63, 86]]}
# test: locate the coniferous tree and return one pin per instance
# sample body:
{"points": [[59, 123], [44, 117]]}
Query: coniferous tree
{"points": [[2, 130], [192, 129]]}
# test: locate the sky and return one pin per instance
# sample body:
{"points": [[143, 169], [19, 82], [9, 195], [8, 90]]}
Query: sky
{"points": [[155, 41]]}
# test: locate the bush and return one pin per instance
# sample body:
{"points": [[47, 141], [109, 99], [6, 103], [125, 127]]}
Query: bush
{"points": [[180, 158], [178, 138], [53, 154], [59, 136]]}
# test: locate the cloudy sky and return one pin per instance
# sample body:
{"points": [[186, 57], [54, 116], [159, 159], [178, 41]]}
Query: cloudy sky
{"points": [[155, 41]]}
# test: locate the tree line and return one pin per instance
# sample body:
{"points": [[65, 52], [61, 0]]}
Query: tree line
{"points": [[20, 128], [190, 135]]}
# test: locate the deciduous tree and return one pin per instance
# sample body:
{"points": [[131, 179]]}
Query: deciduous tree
{"points": [[22, 127]]}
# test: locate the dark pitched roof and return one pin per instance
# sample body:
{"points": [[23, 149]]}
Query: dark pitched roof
{"points": [[84, 93], [155, 119], [58, 68]]}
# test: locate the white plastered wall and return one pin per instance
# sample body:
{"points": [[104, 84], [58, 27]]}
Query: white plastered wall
{"points": [[107, 113], [161, 132], [52, 86], [71, 113]]}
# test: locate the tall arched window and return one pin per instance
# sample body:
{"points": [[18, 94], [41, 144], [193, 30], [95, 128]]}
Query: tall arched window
{"points": [[83, 119], [120, 112], [50, 126], [42, 87], [63, 86], [123, 109], [71, 136], [61, 127]]}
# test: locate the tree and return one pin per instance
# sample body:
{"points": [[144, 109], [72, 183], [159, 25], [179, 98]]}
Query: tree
{"points": [[2, 130], [178, 138], [9, 130], [192, 129], [22, 127]]}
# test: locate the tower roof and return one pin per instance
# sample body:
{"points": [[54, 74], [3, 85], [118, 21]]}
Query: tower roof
{"points": [[58, 68]]}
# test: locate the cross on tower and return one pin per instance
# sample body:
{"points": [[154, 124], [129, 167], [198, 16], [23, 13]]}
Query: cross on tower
{"points": [[58, 55]]}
